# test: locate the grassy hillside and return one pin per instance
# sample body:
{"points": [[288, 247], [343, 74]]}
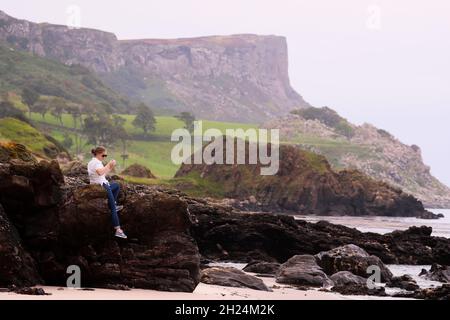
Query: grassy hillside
{"points": [[153, 153], [20, 132], [48, 77]]}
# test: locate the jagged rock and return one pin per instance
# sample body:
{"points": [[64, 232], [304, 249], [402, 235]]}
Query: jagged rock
{"points": [[276, 238], [31, 291], [232, 277], [16, 265], [262, 267], [405, 282], [360, 290], [302, 270], [439, 293], [139, 171], [306, 184], [62, 225], [344, 278], [437, 273], [351, 258], [75, 169]]}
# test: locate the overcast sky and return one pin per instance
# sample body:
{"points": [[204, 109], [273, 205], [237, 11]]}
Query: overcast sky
{"points": [[383, 62]]}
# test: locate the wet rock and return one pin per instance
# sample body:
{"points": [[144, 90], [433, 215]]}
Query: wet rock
{"points": [[437, 273], [302, 270], [439, 293], [351, 258], [276, 238], [263, 268], [232, 277], [405, 282], [31, 291], [360, 290]]}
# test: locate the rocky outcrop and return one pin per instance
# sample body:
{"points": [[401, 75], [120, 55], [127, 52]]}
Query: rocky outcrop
{"points": [[437, 273], [302, 270], [306, 184], [366, 148], [353, 259], [405, 282], [232, 277], [226, 235], [138, 171], [59, 225], [219, 77]]}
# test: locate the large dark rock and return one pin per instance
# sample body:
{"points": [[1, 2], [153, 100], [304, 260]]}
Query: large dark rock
{"points": [[262, 267], [16, 265], [405, 282], [437, 273], [351, 258], [231, 277], [344, 278], [302, 270], [62, 224], [439, 293], [306, 184], [222, 233]]}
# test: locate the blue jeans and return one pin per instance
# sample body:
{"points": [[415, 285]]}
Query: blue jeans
{"points": [[113, 193]]}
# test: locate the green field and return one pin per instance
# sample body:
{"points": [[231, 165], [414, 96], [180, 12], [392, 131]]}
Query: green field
{"points": [[153, 153]]}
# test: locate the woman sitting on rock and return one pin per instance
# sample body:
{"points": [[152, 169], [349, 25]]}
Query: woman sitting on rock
{"points": [[97, 173]]}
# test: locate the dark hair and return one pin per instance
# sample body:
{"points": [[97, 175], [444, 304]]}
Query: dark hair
{"points": [[98, 150]]}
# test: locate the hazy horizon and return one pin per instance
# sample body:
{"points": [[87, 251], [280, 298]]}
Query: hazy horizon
{"points": [[381, 62]]}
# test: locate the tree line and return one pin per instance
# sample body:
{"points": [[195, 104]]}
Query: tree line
{"points": [[95, 123]]}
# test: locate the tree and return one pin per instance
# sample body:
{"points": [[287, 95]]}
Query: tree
{"points": [[118, 120], [76, 111], [99, 130], [29, 97], [41, 107], [145, 119], [57, 107], [7, 109], [188, 119], [67, 142]]}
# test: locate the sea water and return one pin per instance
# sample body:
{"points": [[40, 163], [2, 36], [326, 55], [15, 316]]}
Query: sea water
{"points": [[382, 225]]}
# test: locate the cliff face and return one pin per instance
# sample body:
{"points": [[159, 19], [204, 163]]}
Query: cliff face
{"points": [[239, 77], [370, 150]]}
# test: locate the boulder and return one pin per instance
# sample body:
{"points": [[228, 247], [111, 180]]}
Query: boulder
{"points": [[231, 277], [405, 282], [138, 171], [344, 278], [262, 267], [351, 258], [302, 270]]}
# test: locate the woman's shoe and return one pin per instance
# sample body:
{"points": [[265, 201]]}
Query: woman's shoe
{"points": [[120, 234]]}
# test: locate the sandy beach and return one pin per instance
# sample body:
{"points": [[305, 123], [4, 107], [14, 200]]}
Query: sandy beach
{"points": [[202, 292]]}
